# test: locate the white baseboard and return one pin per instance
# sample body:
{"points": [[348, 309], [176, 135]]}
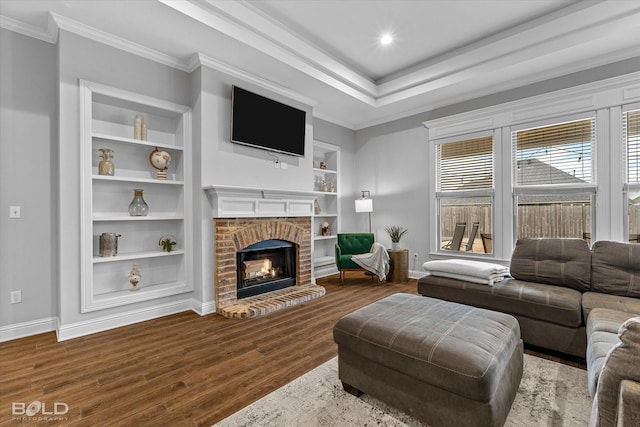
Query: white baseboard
{"points": [[203, 308], [324, 271], [25, 329], [78, 329]]}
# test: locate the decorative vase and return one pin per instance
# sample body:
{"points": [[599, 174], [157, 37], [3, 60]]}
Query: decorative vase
{"points": [[105, 167], [138, 206], [395, 246], [138, 122], [109, 244]]}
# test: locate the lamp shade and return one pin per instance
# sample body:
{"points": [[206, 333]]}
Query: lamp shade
{"points": [[364, 205]]}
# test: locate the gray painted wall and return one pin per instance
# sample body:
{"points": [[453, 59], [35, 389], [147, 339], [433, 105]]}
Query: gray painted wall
{"points": [[28, 118]]}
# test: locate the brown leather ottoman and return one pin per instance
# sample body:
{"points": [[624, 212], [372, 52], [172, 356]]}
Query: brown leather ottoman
{"points": [[444, 363]]}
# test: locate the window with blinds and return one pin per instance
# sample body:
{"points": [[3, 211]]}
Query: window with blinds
{"points": [[465, 181], [551, 165], [556, 154], [465, 165], [631, 129]]}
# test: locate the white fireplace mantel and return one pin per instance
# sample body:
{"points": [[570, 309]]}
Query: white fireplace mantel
{"points": [[245, 202]]}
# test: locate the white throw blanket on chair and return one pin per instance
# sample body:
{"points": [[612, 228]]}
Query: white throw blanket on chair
{"points": [[376, 261]]}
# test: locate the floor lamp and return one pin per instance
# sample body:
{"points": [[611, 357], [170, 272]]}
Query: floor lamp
{"points": [[365, 204]]}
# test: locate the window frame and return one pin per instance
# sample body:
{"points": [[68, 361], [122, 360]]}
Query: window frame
{"points": [[462, 194], [627, 187], [590, 188]]}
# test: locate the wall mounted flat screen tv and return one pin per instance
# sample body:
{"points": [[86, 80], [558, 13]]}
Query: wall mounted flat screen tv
{"points": [[261, 122]]}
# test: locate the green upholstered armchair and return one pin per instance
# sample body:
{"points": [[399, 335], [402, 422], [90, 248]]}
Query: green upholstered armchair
{"points": [[351, 244]]}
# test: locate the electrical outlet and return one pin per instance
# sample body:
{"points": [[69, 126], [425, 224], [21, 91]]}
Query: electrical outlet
{"points": [[14, 211], [16, 297]]}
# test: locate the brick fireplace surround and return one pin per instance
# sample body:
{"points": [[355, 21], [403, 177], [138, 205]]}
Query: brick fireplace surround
{"points": [[234, 234]]}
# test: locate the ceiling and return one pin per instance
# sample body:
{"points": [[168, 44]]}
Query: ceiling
{"points": [[326, 52]]}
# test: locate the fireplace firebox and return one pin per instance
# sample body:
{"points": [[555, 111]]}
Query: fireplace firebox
{"points": [[265, 266]]}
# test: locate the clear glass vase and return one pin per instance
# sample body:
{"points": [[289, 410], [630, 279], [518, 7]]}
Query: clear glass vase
{"points": [[138, 206]]}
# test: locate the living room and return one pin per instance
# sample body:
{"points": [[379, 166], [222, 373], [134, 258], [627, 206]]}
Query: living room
{"points": [[385, 127]]}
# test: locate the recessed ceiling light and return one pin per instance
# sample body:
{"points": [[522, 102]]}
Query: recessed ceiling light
{"points": [[386, 39]]}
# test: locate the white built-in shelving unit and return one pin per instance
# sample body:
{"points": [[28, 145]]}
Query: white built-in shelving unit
{"points": [[108, 122], [329, 201]]}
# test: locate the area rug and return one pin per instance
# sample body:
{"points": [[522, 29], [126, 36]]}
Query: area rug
{"points": [[550, 394]]}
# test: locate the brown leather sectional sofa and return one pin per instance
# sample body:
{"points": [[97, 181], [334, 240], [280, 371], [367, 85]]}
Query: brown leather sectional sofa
{"points": [[576, 300]]}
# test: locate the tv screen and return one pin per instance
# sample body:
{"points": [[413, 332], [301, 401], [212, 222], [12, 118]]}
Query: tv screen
{"points": [[264, 123]]}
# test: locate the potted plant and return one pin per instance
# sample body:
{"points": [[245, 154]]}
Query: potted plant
{"points": [[167, 242], [395, 232]]}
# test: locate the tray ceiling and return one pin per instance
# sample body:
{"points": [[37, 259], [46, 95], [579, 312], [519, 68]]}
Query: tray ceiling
{"points": [[326, 52]]}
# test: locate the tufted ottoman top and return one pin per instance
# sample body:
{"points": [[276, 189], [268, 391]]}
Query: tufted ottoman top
{"points": [[456, 347]]}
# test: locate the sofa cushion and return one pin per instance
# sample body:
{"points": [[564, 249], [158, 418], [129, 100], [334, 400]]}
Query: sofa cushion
{"points": [[621, 363], [615, 268], [554, 304], [561, 262], [591, 300], [602, 334]]}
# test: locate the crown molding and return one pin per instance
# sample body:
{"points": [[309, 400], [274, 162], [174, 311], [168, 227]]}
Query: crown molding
{"points": [[575, 24], [200, 59], [63, 23], [544, 38], [575, 100], [215, 16], [334, 120], [50, 35]]}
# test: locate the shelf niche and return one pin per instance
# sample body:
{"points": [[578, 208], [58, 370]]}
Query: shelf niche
{"points": [[108, 116]]}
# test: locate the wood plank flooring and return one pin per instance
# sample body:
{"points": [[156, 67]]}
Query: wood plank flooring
{"points": [[180, 370]]}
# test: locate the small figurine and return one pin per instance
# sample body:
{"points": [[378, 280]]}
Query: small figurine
{"points": [[326, 229], [135, 277]]}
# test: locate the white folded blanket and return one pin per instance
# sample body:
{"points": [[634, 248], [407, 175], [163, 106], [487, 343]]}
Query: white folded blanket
{"points": [[376, 261], [471, 271]]}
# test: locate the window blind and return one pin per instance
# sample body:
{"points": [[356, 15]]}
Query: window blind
{"points": [[631, 129], [465, 165], [556, 154]]}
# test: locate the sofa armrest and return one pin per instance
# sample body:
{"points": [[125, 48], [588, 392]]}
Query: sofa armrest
{"points": [[620, 371], [629, 404]]}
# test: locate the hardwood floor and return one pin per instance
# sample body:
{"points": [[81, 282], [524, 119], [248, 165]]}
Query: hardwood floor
{"points": [[180, 370]]}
